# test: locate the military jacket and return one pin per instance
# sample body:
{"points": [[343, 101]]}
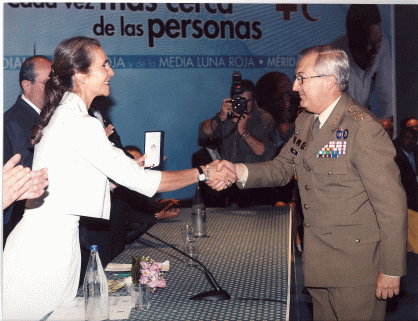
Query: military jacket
{"points": [[354, 205]]}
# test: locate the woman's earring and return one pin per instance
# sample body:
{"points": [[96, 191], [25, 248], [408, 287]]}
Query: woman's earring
{"points": [[84, 81]]}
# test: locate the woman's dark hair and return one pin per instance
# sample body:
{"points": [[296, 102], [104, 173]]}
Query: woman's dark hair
{"points": [[71, 56]]}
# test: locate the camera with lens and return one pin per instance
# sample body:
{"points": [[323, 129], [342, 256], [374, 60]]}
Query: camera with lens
{"points": [[239, 104]]}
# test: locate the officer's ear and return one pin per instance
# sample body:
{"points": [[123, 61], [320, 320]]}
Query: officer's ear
{"points": [[331, 82]]}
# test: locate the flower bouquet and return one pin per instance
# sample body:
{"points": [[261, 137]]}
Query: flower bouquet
{"points": [[146, 271]]}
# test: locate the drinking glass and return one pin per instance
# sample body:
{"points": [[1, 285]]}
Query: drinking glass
{"points": [[140, 295]]}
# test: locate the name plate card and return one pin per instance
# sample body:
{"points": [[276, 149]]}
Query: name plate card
{"points": [[154, 148]]}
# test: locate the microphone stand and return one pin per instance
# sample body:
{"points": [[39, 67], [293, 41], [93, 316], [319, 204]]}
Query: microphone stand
{"points": [[216, 294]]}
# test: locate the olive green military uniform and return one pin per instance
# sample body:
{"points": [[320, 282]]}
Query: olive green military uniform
{"points": [[354, 205]]}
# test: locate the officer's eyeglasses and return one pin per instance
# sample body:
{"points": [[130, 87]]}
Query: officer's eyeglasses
{"points": [[300, 78]]}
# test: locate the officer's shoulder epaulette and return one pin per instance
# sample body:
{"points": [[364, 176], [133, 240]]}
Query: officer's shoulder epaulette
{"points": [[356, 113]]}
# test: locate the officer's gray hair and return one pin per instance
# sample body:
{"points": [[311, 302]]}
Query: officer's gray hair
{"points": [[330, 61]]}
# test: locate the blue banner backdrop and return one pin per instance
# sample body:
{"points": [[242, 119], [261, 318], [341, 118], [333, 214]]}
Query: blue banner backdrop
{"points": [[173, 62]]}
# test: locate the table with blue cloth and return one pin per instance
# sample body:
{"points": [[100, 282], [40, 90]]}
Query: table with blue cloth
{"points": [[246, 250]]}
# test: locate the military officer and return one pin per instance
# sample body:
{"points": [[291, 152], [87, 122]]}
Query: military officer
{"points": [[353, 201]]}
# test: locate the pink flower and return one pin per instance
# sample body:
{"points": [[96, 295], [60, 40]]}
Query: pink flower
{"points": [[154, 274], [146, 272], [144, 279], [160, 283], [156, 266], [149, 273]]}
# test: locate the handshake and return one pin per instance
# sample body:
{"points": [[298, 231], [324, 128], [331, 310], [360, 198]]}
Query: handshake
{"points": [[222, 174]]}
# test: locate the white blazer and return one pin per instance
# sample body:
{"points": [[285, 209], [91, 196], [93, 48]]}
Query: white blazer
{"points": [[80, 158]]}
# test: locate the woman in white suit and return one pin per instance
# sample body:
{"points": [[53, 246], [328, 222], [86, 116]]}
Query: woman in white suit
{"points": [[42, 254]]}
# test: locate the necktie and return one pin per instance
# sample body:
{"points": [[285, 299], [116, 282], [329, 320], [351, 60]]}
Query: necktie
{"points": [[315, 127]]}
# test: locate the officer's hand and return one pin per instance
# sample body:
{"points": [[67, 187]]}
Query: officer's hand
{"points": [[387, 286]]}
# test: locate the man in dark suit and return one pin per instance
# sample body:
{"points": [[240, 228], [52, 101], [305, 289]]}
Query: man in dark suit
{"points": [[18, 123], [407, 160], [354, 206]]}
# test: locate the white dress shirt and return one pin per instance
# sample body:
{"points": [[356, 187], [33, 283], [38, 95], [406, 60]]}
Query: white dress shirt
{"points": [[327, 112], [80, 158], [31, 104]]}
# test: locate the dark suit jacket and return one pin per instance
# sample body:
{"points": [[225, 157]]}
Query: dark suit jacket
{"points": [[114, 137], [140, 207], [354, 205], [408, 175], [18, 123], [201, 157]]}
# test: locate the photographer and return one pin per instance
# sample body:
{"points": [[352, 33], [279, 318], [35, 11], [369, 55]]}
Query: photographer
{"points": [[248, 133]]}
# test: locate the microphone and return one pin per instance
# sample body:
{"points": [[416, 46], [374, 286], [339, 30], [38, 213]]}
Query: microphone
{"points": [[216, 294]]}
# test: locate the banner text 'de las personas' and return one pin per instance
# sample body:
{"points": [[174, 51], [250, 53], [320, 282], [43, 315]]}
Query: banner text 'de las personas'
{"points": [[173, 62]]}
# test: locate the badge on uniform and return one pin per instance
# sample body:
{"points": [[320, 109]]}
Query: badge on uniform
{"points": [[333, 149], [339, 133], [345, 134], [342, 133], [298, 142]]}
